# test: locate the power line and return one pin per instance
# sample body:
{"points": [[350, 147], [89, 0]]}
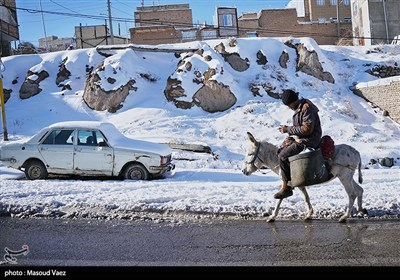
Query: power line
{"points": [[63, 6]]}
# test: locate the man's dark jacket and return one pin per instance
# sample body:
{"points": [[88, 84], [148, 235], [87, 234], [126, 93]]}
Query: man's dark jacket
{"points": [[306, 124]]}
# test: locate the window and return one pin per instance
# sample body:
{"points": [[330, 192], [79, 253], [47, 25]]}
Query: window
{"points": [[347, 19], [321, 2], [252, 34], [188, 35], [208, 34], [90, 138], [84, 137], [334, 2], [227, 20], [321, 20], [59, 137], [346, 2], [101, 139]]}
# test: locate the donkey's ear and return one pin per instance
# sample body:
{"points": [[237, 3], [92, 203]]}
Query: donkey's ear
{"points": [[251, 137]]}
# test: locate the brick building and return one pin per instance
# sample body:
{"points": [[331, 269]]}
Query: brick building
{"points": [[327, 10], [173, 23], [163, 24], [316, 19]]}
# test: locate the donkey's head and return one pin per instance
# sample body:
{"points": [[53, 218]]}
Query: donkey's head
{"points": [[251, 161]]}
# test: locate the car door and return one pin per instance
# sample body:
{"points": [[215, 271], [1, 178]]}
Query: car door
{"points": [[57, 151], [92, 155]]}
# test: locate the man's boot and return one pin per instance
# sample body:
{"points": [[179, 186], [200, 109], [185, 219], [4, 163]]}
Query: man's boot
{"points": [[284, 192]]}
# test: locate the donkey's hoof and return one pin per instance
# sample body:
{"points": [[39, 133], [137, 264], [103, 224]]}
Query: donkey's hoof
{"points": [[271, 219], [308, 218], [343, 219]]}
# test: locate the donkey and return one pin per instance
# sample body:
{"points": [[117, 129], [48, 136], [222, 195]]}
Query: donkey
{"points": [[345, 162]]}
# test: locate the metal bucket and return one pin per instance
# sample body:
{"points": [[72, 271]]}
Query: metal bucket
{"points": [[308, 168]]}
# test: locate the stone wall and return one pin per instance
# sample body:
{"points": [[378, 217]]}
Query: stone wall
{"points": [[384, 93]]}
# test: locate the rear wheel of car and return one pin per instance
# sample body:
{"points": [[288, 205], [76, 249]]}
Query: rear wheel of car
{"points": [[136, 171], [35, 170]]}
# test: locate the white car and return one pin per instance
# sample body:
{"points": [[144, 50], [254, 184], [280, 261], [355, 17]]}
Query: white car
{"points": [[89, 149]]}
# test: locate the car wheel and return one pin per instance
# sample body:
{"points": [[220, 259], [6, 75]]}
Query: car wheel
{"points": [[35, 170], [136, 171]]}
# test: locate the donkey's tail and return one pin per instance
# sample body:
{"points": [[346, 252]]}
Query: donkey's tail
{"points": [[360, 178]]}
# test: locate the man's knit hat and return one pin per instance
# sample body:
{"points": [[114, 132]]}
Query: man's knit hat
{"points": [[289, 96]]}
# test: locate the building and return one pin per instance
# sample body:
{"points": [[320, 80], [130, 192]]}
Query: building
{"points": [[53, 43], [92, 36], [160, 24], [167, 24], [375, 21], [327, 11], [179, 15], [310, 18], [9, 25], [227, 21]]}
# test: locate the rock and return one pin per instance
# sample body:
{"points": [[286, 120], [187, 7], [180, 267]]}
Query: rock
{"points": [[214, 97], [30, 86]]}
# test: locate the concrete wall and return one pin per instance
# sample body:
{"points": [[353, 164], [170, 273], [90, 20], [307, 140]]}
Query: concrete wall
{"points": [[92, 36], [385, 21], [378, 21], [385, 93]]}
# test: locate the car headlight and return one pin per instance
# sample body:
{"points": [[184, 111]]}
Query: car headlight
{"points": [[165, 159]]}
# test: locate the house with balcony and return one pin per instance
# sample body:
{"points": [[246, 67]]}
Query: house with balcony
{"points": [[8, 26]]}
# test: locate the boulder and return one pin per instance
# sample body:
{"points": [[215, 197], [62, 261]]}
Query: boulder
{"points": [[30, 86], [99, 99]]}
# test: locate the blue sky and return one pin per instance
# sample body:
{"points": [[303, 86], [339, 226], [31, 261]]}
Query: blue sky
{"points": [[58, 19]]}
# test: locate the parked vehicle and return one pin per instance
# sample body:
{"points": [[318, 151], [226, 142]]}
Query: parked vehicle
{"points": [[88, 149]]}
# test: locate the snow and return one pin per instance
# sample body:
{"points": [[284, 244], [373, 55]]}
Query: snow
{"points": [[203, 184]]}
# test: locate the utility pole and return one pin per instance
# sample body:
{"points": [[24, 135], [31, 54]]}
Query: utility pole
{"points": [[2, 101], [44, 27], [386, 21], [109, 19], [338, 19]]}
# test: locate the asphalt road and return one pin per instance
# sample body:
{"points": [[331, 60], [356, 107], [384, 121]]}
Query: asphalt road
{"points": [[62, 243]]}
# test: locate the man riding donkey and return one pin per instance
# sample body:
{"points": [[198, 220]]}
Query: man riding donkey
{"points": [[305, 132]]}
